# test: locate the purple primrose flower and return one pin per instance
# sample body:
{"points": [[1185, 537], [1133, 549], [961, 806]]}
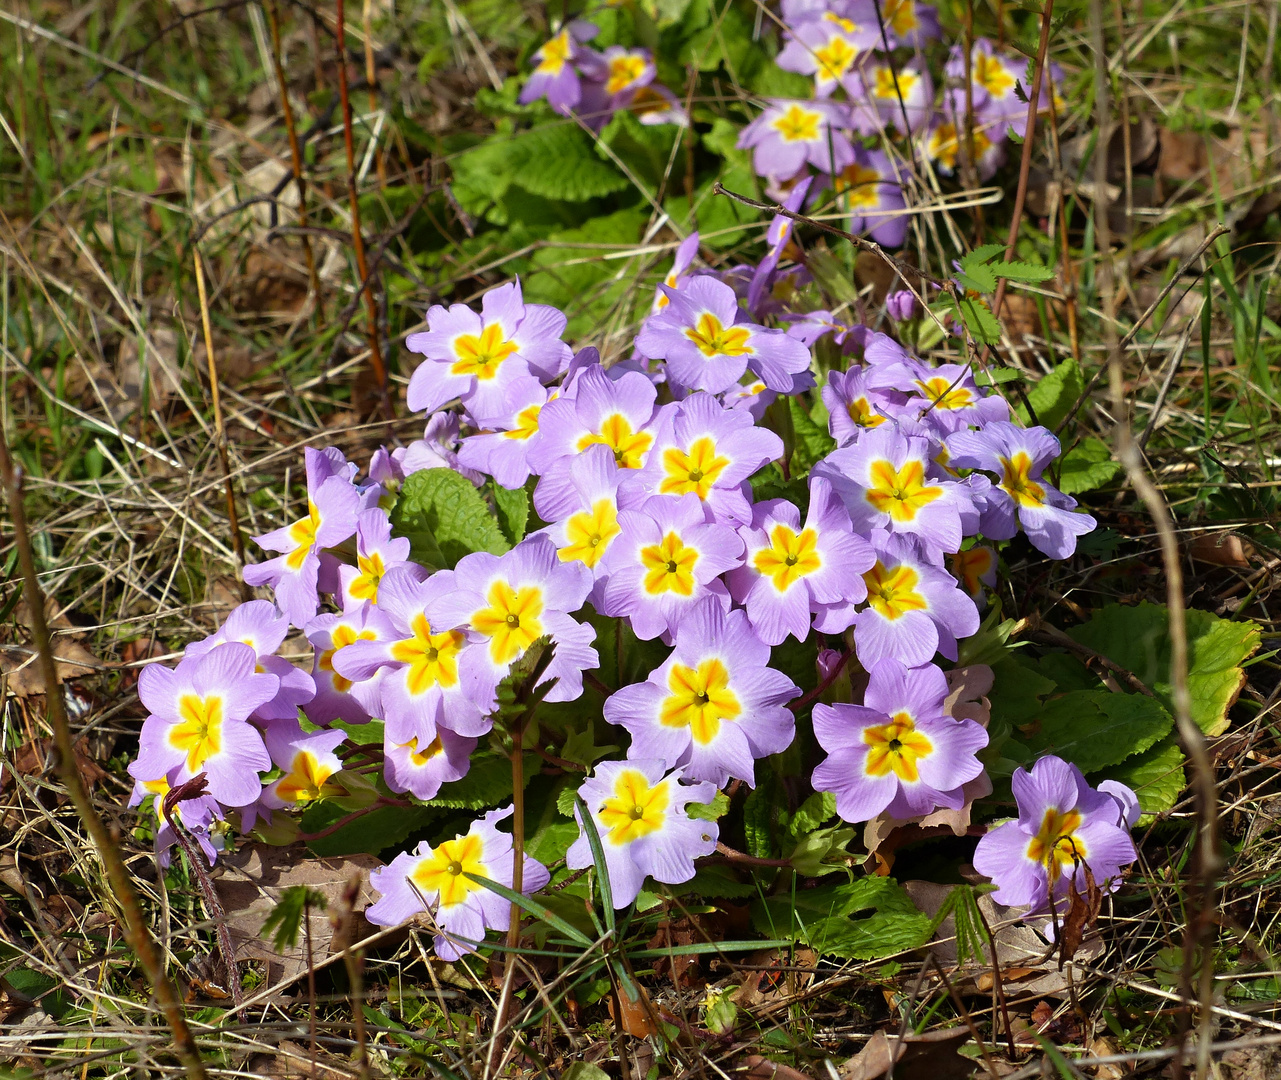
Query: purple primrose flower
{"points": [[790, 574], [308, 761], [502, 450], [477, 357], [1064, 825], [434, 879], [707, 348], [1021, 495], [198, 723], [555, 76], [639, 810], [788, 135], [899, 751], [715, 705]]}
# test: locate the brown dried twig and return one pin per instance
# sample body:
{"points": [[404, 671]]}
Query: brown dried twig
{"points": [[220, 432], [136, 932], [376, 365]]}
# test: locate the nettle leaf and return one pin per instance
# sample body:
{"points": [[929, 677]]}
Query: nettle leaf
{"points": [[812, 442], [488, 783], [1094, 729], [1087, 466], [1054, 394], [441, 505], [1156, 775], [513, 511], [979, 320], [368, 834], [1138, 638], [823, 918]]}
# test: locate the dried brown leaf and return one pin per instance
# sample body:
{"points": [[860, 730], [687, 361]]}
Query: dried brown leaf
{"points": [[931, 1054]]}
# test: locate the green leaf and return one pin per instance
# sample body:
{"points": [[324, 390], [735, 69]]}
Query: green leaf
{"points": [[1138, 638], [1087, 466], [556, 161], [282, 925], [1022, 271], [645, 148], [981, 255], [488, 782], [1054, 394], [713, 811], [550, 843], [1095, 729], [812, 441], [760, 815], [979, 320], [1019, 690], [368, 834], [1156, 775], [513, 511], [822, 918], [813, 812], [445, 506], [822, 851]]}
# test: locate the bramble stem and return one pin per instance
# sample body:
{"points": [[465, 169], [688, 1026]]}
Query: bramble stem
{"points": [[136, 932]]}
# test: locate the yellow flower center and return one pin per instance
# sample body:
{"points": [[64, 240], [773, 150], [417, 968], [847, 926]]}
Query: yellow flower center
{"points": [[1016, 482], [635, 809], [699, 700], [303, 533], [713, 339], [372, 569], [305, 780], [589, 533], [993, 75], [834, 58], [512, 622], [1056, 845], [900, 492], [420, 757], [342, 636], [859, 185], [943, 394], [790, 556], [695, 471], [848, 25], [900, 15], [892, 593], [630, 447], [442, 871], [860, 410], [432, 658], [896, 747], [944, 146], [553, 56], [890, 88], [526, 423], [669, 566], [623, 71], [799, 124], [198, 734], [481, 355], [970, 566]]}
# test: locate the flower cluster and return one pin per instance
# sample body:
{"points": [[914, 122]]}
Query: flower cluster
{"points": [[871, 89], [661, 502], [578, 80]]}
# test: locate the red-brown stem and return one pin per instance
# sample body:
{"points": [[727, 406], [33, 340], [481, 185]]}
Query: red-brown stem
{"points": [[376, 365], [295, 154], [832, 676], [192, 789], [1025, 161], [136, 932]]}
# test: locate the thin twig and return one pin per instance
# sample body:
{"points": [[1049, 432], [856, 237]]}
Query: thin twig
{"points": [[1171, 371], [1207, 863], [1025, 160], [295, 152], [376, 365], [136, 932], [220, 432]]}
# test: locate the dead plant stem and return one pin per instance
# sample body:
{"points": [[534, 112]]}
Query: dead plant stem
{"points": [[1025, 160], [376, 366], [220, 432], [136, 932], [1207, 862], [295, 155]]}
